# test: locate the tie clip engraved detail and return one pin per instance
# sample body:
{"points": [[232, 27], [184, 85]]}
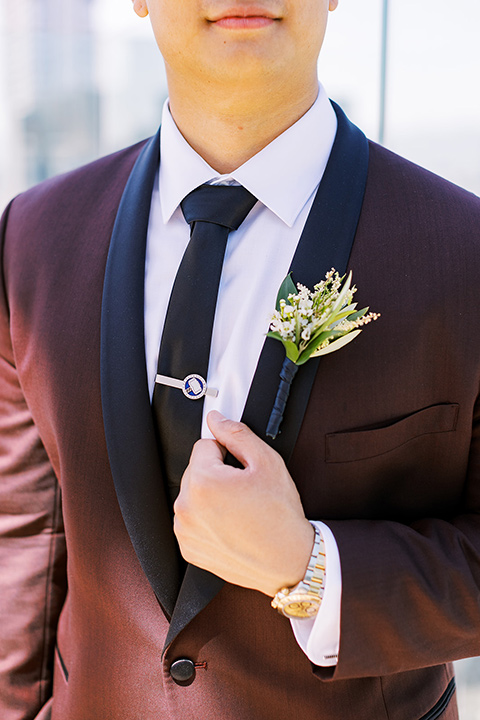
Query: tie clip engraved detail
{"points": [[193, 386]]}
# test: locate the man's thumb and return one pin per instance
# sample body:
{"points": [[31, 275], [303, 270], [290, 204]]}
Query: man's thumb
{"points": [[239, 440]]}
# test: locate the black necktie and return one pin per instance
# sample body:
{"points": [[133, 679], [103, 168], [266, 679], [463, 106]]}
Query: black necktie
{"points": [[212, 211]]}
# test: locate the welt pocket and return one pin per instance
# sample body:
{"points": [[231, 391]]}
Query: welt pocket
{"points": [[365, 443], [61, 663]]}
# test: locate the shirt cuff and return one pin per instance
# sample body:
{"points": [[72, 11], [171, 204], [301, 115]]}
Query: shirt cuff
{"points": [[319, 637]]}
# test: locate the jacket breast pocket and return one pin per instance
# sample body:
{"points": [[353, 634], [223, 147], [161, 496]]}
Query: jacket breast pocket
{"points": [[367, 443]]}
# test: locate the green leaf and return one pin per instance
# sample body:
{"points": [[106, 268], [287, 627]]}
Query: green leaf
{"points": [[337, 344], [275, 335], [291, 350], [338, 333], [350, 308], [318, 336], [346, 313], [359, 314], [313, 344], [335, 314], [286, 288], [343, 293]]}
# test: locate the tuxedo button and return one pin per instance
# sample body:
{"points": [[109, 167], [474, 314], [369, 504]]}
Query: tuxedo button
{"points": [[182, 671]]}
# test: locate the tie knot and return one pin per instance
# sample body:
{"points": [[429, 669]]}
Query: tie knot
{"points": [[226, 205]]}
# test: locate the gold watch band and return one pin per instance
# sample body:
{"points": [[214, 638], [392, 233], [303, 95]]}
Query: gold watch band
{"points": [[304, 599]]}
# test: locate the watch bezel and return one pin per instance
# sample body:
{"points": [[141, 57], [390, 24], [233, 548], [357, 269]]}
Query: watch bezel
{"points": [[286, 605]]}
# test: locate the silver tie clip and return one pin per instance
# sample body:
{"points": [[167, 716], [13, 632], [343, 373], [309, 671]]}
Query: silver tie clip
{"points": [[193, 386]]}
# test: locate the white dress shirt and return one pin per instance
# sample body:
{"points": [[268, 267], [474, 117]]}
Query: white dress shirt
{"points": [[284, 176]]}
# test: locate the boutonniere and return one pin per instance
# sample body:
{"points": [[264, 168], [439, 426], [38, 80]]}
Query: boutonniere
{"points": [[312, 323]]}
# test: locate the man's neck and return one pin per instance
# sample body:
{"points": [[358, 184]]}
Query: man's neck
{"points": [[227, 129]]}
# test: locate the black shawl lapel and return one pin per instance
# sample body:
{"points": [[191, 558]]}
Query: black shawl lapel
{"points": [[326, 242], [129, 429]]}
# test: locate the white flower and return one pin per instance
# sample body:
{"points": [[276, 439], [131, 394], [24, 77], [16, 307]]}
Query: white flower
{"points": [[318, 321]]}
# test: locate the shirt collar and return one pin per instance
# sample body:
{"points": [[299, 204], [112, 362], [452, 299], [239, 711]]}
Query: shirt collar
{"points": [[282, 176]]}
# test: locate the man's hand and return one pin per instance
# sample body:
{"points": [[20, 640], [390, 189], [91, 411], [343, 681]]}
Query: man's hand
{"points": [[245, 525]]}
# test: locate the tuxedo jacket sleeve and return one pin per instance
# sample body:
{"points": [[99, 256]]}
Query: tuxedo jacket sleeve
{"points": [[32, 548], [33, 575]]}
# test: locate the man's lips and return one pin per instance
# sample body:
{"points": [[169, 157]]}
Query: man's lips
{"points": [[244, 23], [244, 18]]}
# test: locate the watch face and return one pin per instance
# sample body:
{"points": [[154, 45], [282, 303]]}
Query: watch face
{"points": [[301, 607]]}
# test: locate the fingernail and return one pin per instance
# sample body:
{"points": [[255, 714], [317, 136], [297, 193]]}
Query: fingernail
{"points": [[215, 415]]}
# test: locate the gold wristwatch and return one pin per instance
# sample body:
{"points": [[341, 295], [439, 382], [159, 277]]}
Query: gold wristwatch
{"points": [[304, 600]]}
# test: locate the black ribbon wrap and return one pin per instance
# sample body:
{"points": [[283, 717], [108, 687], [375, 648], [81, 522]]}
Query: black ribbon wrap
{"points": [[287, 374]]}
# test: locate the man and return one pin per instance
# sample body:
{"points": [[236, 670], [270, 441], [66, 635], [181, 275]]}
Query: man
{"points": [[377, 465]]}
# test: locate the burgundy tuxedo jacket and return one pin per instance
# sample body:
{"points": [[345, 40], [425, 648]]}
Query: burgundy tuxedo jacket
{"points": [[382, 440]]}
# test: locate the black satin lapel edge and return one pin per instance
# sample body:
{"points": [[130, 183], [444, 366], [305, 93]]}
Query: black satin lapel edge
{"points": [[326, 242], [128, 423], [199, 587], [344, 179]]}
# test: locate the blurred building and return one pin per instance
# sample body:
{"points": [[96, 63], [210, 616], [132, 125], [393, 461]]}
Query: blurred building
{"points": [[71, 88], [130, 75], [50, 95]]}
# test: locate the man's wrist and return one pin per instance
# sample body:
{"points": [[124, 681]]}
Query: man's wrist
{"points": [[304, 599]]}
